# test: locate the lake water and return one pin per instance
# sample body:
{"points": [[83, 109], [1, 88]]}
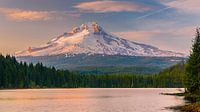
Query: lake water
{"points": [[88, 100]]}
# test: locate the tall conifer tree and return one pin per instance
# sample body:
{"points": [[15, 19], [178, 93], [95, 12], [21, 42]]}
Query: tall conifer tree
{"points": [[193, 66]]}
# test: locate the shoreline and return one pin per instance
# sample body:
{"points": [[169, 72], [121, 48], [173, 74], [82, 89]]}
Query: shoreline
{"points": [[189, 106], [92, 88]]}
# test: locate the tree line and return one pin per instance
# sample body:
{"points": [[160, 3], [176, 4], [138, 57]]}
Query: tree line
{"points": [[22, 75]]}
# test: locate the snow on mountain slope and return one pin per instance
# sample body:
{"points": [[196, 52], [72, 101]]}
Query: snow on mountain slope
{"points": [[91, 39]]}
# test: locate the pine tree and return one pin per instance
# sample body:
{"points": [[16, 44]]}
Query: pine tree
{"points": [[193, 66]]}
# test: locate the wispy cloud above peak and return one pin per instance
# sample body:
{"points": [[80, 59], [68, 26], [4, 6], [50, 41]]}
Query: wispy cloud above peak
{"points": [[21, 15], [188, 6], [154, 22], [111, 6], [30, 15]]}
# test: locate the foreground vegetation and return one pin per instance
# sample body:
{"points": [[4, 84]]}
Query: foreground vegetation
{"points": [[22, 75], [192, 80]]}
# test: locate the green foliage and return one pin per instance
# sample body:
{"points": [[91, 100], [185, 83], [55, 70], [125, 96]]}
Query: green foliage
{"points": [[173, 76], [108, 64], [22, 75], [193, 67]]}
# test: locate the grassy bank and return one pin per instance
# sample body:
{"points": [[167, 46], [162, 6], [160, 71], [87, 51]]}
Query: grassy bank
{"points": [[192, 107], [193, 102]]}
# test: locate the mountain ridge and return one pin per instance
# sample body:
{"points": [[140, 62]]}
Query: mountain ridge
{"points": [[108, 64], [92, 39]]}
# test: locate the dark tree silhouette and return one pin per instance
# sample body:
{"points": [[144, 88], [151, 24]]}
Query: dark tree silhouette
{"points": [[23, 75], [193, 66]]}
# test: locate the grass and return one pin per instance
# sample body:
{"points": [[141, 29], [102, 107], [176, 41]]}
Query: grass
{"points": [[193, 104], [192, 107]]}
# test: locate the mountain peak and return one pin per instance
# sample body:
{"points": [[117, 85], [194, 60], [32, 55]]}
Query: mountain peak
{"points": [[90, 38], [90, 26]]}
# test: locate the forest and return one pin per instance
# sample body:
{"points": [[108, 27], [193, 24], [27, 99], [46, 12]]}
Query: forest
{"points": [[22, 75]]}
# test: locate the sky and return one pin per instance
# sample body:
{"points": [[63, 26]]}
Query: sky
{"points": [[167, 24]]}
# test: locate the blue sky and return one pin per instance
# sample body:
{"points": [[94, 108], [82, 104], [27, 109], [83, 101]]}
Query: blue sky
{"points": [[167, 24]]}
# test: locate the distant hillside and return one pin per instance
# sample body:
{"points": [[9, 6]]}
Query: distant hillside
{"points": [[22, 75], [91, 49], [99, 64]]}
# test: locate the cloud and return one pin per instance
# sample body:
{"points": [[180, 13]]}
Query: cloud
{"points": [[142, 35], [167, 39], [189, 6], [111, 6], [28, 15], [19, 15], [147, 34]]}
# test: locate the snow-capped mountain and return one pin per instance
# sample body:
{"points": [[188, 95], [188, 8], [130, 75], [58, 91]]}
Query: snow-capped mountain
{"points": [[92, 39]]}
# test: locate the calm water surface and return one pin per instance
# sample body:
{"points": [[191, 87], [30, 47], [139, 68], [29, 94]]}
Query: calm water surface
{"points": [[88, 100]]}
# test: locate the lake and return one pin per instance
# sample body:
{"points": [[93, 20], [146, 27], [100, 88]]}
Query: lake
{"points": [[88, 100]]}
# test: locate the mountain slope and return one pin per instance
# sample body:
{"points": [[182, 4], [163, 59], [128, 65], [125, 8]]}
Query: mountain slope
{"points": [[92, 39], [99, 64], [90, 49]]}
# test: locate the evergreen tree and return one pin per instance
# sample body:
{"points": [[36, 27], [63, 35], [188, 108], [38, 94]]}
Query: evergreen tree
{"points": [[193, 66], [23, 75]]}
